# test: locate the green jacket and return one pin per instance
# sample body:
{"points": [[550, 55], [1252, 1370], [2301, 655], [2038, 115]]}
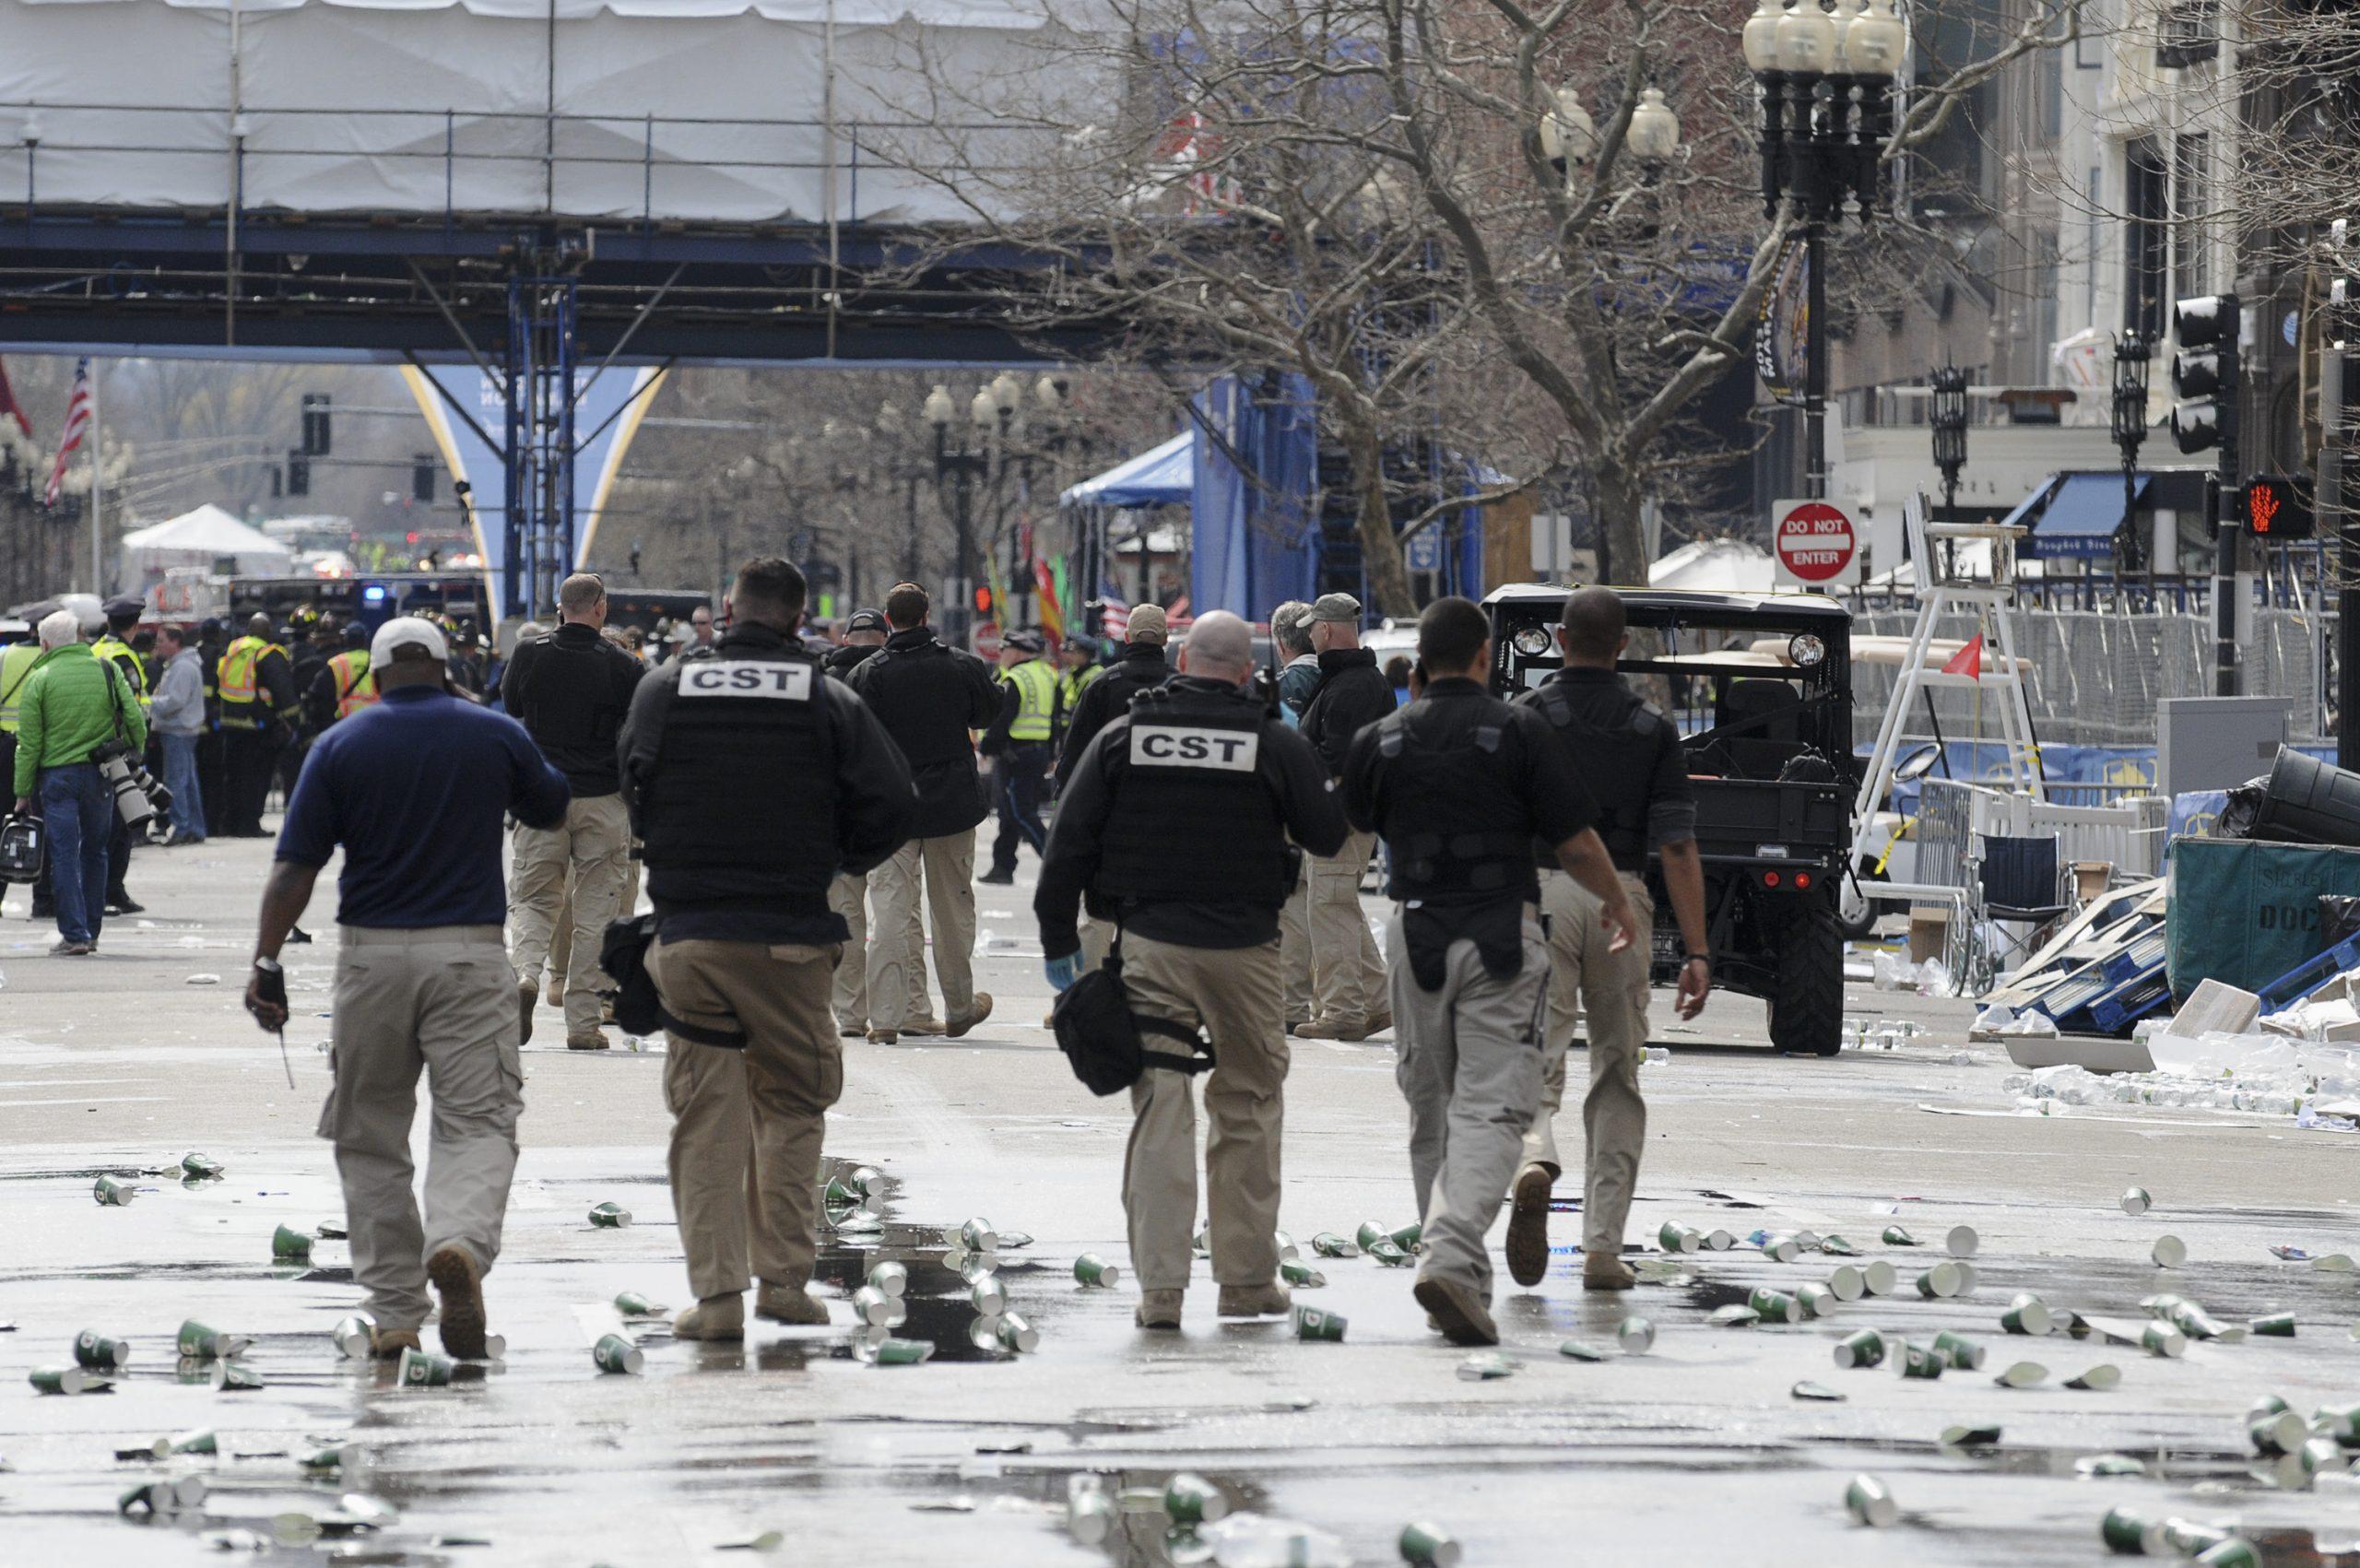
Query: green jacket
{"points": [[67, 710]]}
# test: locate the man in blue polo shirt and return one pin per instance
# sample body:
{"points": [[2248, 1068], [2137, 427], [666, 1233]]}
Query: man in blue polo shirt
{"points": [[414, 790]]}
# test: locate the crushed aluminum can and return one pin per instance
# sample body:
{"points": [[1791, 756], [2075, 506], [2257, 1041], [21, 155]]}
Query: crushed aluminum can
{"points": [[968, 1265], [865, 1179], [1922, 1362], [1410, 1237], [1818, 1300], [2169, 1252], [329, 1230], [112, 1193], [2233, 1553], [233, 1377], [1300, 1275], [872, 1305], [609, 1216], [988, 1295], [2275, 1432], [1719, 1240], [1370, 1233], [1326, 1243], [1895, 1236], [2339, 1421], [1636, 1334], [2098, 1465], [1961, 1241], [2278, 1326], [69, 1380], [896, 1352], [1775, 1306], [2098, 1379], [162, 1499], [1782, 1247], [1736, 1314], [1012, 1240], [2129, 1533], [1315, 1323], [206, 1343], [196, 1440], [1962, 1353], [97, 1352], [1849, 1283], [1201, 1244], [1870, 1502], [842, 1194], [1939, 1282], [2192, 1537], [613, 1353], [2136, 1201], [977, 1235], [1190, 1499], [1090, 1515], [1677, 1238], [2022, 1375], [1864, 1349], [355, 1335], [202, 1165], [2162, 1339], [1968, 1280], [1836, 1246], [288, 1245], [1818, 1393], [1388, 1253], [1969, 1437], [1485, 1366], [322, 1460], [892, 1278], [1091, 1269], [2028, 1314], [422, 1369], [1880, 1278], [630, 1303], [1015, 1332], [1426, 1546], [1285, 1245], [1582, 1350]]}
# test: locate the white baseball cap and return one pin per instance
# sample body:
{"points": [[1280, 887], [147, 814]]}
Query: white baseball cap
{"points": [[405, 629]]}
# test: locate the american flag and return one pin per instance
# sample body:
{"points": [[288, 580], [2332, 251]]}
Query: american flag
{"points": [[1117, 619], [77, 425]]}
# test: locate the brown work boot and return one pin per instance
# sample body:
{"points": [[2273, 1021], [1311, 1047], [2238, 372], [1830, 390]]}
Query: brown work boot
{"points": [[1603, 1271], [527, 994], [1253, 1300], [1457, 1310], [1157, 1309], [790, 1305], [554, 992], [460, 1283], [1332, 1029], [589, 1040], [1529, 1226], [883, 1037], [1380, 1021], [957, 1026], [715, 1317], [387, 1344], [925, 1028]]}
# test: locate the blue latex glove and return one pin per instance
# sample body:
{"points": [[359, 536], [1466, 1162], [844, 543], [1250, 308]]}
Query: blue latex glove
{"points": [[1062, 971]]}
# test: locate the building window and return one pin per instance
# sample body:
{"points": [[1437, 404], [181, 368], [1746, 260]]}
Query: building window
{"points": [[2146, 232], [2093, 243], [2191, 158], [2191, 34]]}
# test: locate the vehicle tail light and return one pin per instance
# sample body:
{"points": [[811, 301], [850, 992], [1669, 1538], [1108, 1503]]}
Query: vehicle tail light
{"points": [[1802, 879], [1769, 878]]}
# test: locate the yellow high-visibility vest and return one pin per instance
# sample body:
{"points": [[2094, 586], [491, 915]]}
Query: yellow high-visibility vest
{"points": [[355, 683], [17, 661], [242, 693], [113, 649], [1036, 692]]}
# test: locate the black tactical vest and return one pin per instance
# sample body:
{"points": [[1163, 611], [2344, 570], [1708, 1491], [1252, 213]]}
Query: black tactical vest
{"points": [[1452, 808], [1192, 818], [1612, 735], [740, 808]]}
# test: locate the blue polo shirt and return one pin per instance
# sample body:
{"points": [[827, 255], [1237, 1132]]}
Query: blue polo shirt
{"points": [[415, 789]]}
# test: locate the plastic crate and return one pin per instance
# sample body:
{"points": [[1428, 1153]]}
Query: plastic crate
{"points": [[2309, 975]]}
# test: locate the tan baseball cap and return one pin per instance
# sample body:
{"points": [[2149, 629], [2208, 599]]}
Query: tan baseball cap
{"points": [[1148, 624], [1335, 607]]}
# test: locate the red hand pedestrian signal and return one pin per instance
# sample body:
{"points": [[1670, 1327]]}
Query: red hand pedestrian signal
{"points": [[2275, 508]]}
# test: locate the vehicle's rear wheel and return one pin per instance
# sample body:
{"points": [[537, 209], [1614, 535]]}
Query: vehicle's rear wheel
{"points": [[1807, 1005]]}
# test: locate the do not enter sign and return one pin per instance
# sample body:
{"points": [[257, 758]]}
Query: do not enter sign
{"points": [[1816, 542]]}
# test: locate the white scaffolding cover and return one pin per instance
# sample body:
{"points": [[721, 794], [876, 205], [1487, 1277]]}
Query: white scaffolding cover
{"points": [[699, 110]]}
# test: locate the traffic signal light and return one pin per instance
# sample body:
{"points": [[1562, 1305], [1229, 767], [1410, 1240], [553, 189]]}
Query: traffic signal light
{"points": [[2276, 508], [299, 474], [422, 478], [315, 424], [2204, 372], [983, 601]]}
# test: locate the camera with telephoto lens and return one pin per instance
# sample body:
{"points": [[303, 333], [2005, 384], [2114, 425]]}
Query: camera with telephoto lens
{"points": [[139, 795]]}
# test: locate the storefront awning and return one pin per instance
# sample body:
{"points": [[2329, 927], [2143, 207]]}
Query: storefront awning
{"points": [[2076, 516]]}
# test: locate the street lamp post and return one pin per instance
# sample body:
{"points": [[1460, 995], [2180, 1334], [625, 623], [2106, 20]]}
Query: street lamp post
{"points": [[960, 464], [1826, 80], [2131, 351], [1948, 417]]}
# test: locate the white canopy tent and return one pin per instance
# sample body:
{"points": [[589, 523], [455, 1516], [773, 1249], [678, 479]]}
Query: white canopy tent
{"points": [[205, 538], [1719, 566]]}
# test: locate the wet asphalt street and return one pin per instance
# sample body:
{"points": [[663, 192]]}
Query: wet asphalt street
{"points": [[1694, 1452]]}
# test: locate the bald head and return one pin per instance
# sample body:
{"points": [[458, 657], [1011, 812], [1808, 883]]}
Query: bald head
{"points": [[1220, 647], [1594, 627]]}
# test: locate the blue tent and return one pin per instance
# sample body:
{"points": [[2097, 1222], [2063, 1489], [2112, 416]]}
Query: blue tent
{"points": [[1165, 475], [1258, 462]]}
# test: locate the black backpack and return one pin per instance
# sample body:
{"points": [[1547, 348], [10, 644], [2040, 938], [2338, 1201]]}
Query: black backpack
{"points": [[1100, 1034]]}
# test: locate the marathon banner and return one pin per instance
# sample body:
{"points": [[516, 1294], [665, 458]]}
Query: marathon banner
{"points": [[607, 414]]}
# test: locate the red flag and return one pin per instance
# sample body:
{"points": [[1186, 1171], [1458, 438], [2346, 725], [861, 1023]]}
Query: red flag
{"points": [[9, 407], [1967, 661]]}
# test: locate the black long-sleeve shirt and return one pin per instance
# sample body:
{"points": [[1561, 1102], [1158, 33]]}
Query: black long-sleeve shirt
{"points": [[571, 691]]}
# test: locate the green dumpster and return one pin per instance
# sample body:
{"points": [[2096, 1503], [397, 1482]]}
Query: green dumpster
{"points": [[2245, 913]]}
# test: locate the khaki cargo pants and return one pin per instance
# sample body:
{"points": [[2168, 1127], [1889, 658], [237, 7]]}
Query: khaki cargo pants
{"points": [[1232, 995], [441, 1000], [897, 959], [747, 1124], [1348, 977], [575, 871], [1612, 988], [1469, 1065], [848, 896]]}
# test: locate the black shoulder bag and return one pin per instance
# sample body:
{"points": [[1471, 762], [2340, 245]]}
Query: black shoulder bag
{"points": [[639, 1008], [1100, 1034]]}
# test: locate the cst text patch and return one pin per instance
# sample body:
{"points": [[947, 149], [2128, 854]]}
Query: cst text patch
{"points": [[746, 677], [1171, 746]]}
